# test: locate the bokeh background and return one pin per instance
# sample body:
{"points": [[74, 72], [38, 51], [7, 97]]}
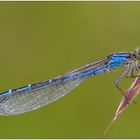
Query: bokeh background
{"points": [[40, 40]]}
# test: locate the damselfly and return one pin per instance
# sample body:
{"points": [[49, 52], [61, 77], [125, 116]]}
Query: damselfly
{"points": [[37, 95]]}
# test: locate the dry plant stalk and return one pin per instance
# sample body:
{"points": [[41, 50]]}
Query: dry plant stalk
{"points": [[130, 94]]}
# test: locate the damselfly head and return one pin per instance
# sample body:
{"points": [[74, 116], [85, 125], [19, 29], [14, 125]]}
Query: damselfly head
{"points": [[137, 53]]}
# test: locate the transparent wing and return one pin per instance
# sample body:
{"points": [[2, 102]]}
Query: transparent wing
{"points": [[28, 98], [31, 100]]}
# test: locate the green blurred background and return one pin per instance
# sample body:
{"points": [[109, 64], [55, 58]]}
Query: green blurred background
{"points": [[40, 40]]}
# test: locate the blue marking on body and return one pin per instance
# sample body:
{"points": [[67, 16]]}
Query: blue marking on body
{"points": [[86, 73], [9, 92], [127, 55], [100, 70], [118, 59], [113, 66], [95, 71], [25, 88]]}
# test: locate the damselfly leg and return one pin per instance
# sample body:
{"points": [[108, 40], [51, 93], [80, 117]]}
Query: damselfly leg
{"points": [[135, 66], [126, 73], [117, 80]]}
